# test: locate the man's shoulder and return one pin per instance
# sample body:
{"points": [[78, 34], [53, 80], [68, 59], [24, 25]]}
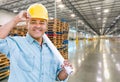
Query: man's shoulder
{"points": [[16, 38]]}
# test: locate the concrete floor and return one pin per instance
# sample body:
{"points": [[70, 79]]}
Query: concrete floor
{"points": [[94, 61]]}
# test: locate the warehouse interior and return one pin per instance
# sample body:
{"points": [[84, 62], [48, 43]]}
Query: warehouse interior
{"points": [[86, 32]]}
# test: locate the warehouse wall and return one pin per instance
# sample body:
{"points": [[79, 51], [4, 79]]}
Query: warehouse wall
{"points": [[5, 16], [71, 35]]}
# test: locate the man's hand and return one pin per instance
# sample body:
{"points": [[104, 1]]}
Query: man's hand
{"points": [[63, 74], [22, 16], [67, 64], [5, 29]]}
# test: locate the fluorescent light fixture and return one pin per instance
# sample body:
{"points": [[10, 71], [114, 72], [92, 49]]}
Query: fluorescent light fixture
{"points": [[82, 23], [51, 18], [104, 21], [117, 18], [15, 11], [105, 18], [58, 0], [103, 25], [61, 6], [106, 11], [98, 13], [72, 15], [99, 18], [111, 24], [79, 21], [114, 21], [98, 8]]}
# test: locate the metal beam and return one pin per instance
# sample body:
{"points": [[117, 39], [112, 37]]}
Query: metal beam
{"points": [[9, 3], [70, 6], [117, 32], [24, 4], [112, 26]]}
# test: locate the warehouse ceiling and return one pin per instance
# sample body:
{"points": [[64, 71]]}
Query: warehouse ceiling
{"points": [[98, 16]]}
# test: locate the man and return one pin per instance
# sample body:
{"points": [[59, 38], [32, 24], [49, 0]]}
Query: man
{"points": [[31, 60]]}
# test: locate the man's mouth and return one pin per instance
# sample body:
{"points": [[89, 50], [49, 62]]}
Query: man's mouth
{"points": [[37, 30]]}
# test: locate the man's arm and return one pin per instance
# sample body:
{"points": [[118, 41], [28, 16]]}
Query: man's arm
{"points": [[63, 74], [5, 29]]}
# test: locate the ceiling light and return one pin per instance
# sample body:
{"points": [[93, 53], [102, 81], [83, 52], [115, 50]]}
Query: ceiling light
{"points": [[98, 8], [51, 18], [79, 21], [61, 6], [117, 17], [114, 21], [15, 10], [82, 23], [103, 25], [58, 0], [104, 21], [105, 18], [98, 13], [99, 18], [72, 15], [106, 10]]}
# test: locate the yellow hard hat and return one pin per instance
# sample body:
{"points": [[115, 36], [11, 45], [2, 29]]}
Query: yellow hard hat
{"points": [[38, 11]]}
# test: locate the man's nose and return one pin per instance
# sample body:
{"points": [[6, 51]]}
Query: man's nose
{"points": [[38, 25]]}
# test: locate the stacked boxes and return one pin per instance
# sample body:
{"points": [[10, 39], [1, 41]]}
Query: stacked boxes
{"points": [[65, 39], [4, 66], [58, 33], [54, 32]]}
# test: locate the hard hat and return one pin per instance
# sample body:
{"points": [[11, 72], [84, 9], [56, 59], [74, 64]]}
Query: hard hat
{"points": [[38, 11]]}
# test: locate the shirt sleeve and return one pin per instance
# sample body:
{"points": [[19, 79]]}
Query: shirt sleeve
{"points": [[5, 46]]}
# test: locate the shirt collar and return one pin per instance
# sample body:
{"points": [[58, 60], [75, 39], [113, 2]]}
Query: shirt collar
{"points": [[44, 41], [31, 40]]}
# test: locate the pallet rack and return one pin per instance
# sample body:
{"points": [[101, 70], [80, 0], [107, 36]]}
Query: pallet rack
{"points": [[4, 66]]}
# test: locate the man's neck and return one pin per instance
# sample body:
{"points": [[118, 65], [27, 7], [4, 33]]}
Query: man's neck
{"points": [[40, 40]]}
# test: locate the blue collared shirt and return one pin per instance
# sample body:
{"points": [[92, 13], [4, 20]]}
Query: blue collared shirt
{"points": [[30, 62]]}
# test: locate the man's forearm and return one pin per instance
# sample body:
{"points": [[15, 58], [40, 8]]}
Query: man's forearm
{"points": [[5, 29]]}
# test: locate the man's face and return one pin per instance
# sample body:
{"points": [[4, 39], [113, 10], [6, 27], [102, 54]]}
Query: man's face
{"points": [[37, 27]]}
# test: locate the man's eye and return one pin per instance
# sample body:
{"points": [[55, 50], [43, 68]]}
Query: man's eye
{"points": [[32, 22], [42, 23]]}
